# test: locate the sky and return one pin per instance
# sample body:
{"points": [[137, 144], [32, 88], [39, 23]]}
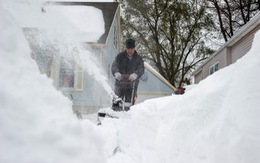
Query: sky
{"points": [[214, 121]]}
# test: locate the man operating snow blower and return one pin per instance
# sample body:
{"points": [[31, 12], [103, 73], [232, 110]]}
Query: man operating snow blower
{"points": [[127, 68]]}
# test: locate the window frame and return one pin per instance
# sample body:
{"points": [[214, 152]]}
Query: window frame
{"points": [[78, 76], [213, 68]]}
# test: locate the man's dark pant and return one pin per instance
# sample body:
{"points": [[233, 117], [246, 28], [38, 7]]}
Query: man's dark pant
{"points": [[123, 89]]}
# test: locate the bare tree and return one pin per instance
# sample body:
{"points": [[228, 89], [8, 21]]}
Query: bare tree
{"points": [[232, 14]]}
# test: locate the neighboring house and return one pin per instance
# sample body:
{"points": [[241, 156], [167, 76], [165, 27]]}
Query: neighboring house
{"points": [[231, 51], [75, 83], [153, 85]]}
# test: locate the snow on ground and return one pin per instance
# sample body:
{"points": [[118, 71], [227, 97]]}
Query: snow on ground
{"points": [[36, 121], [215, 121]]}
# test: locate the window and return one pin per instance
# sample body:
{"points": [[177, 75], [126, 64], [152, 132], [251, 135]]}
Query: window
{"points": [[213, 68], [67, 74]]}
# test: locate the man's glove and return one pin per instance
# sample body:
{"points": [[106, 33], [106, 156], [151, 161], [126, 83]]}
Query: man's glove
{"points": [[132, 77], [118, 76]]}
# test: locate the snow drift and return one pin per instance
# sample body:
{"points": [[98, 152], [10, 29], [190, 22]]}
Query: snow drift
{"points": [[36, 121], [216, 121]]}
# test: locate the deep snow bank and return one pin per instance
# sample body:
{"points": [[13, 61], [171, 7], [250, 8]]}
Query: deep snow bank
{"points": [[36, 121], [217, 121]]}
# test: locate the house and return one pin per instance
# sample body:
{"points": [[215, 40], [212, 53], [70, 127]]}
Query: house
{"points": [[231, 51], [74, 81], [153, 85]]}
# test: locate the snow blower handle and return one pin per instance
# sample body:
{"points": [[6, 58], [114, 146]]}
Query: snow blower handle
{"points": [[125, 79], [125, 76], [129, 77]]}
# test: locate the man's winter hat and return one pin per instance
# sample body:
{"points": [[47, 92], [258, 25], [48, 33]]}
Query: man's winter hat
{"points": [[130, 43]]}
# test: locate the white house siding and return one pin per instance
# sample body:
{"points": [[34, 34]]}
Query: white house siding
{"points": [[228, 55], [220, 59], [198, 77], [242, 46], [113, 48]]}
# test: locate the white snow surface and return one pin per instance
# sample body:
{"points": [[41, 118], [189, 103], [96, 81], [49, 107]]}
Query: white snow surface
{"points": [[36, 121], [217, 121]]}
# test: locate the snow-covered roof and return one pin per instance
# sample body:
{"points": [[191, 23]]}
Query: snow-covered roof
{"points": [[89, 19], [108, 9]]}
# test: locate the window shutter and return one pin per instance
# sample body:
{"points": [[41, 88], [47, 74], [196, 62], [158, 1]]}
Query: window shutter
{"points": [[79, 78], [55, 71]]}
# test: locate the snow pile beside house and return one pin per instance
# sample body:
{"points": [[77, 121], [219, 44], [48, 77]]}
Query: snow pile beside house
{"points": [[36, 121], [216, 121]]}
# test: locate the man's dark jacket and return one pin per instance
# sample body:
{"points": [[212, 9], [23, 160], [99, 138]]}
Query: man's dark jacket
{"points": [[127, 66]]}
